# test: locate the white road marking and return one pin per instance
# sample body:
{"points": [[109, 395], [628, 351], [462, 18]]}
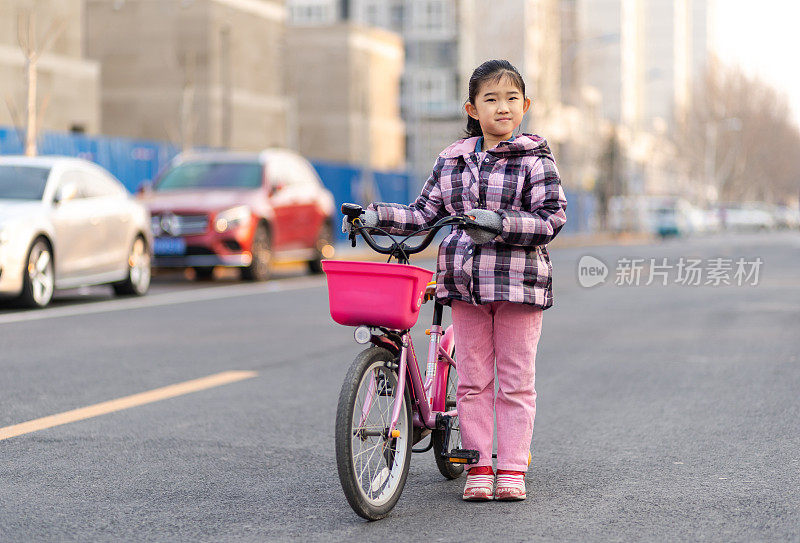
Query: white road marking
{"points": [[126, 402], [170, 298]]}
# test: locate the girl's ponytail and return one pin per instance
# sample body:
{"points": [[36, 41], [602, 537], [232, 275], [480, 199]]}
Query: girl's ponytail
{"points": [[473, 128], [491, 70]]}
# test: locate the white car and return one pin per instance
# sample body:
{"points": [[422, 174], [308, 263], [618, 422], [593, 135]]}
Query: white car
{"points": [[748, 217], [65, 223]]}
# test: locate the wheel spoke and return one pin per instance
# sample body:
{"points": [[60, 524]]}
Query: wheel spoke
{"points": [[139, 267], [368, 461], [358, 454], [42, 261], [38, 289]]}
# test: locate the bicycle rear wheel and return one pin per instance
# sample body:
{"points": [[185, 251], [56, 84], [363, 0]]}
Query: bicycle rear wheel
{"points": [[372, 466], [447, 468]]}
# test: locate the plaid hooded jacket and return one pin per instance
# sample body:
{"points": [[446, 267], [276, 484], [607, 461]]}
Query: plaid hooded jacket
{"points": [[519, 180]]}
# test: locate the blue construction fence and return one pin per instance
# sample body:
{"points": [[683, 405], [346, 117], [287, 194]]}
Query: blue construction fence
{"points": [[131, 161], [134, 161], [582, 212]]}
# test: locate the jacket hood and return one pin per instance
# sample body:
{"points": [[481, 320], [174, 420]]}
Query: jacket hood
{"points": [[522, 145]]}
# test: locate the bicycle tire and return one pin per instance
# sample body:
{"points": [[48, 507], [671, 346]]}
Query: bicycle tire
{"points": [[374, 496], [447, 468]]}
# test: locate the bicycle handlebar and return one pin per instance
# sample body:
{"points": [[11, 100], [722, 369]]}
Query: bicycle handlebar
{"points": [[354, 212]]}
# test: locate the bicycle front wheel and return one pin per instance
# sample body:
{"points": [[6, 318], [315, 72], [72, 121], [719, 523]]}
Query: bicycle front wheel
{"points": [[372, 465]]}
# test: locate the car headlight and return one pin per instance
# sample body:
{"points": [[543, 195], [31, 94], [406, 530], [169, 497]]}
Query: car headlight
{"points": [[230, 219]]}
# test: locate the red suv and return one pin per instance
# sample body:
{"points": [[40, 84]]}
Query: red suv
{"points": [[239, 210]]}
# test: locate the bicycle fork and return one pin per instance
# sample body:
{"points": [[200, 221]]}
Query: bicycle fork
{"points": [[399, 393]]}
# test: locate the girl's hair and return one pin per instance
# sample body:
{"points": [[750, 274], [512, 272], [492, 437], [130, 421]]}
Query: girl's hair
{"points": [[491, 70]]}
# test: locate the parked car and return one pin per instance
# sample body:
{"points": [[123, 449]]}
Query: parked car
{"points": [[65, 223], [786, 217], [675, 217], [747, 217], [239, 210], [712, 220], [667, 221]]}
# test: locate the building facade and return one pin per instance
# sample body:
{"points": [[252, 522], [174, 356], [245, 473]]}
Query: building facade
{"points": [[643, 56], [199, 72], [444, 41], [68, 84], [345, 78]]}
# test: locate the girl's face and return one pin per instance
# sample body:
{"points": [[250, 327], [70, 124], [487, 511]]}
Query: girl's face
{"points": [[499, 107]]}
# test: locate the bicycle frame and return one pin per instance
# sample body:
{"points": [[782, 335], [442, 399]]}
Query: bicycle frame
{"points": [[428, 396]]}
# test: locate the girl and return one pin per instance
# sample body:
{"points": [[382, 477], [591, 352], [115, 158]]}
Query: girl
{"points": [[497, 287]]}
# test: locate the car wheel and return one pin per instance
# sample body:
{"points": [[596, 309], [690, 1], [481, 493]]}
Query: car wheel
{"points": [[139, 272], [261, 249], [39, 275], [203, 274], [322, 249]]}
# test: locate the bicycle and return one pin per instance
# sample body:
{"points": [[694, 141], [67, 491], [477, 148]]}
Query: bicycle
{"points": [[379, 417]]}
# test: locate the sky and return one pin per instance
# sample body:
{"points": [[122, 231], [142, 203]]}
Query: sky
{"points": [[764, 39]]}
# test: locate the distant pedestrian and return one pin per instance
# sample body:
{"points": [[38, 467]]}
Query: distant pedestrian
{"points": [[498, 286]]}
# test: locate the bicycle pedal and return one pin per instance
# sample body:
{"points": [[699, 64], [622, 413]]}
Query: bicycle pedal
{"points": [[463, 456]]}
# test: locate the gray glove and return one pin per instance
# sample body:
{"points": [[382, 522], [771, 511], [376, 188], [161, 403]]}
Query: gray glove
{"points": [[486, 218], [369, 218]]}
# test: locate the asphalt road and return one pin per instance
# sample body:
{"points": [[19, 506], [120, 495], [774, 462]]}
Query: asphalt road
{"points": [[665, 413]]}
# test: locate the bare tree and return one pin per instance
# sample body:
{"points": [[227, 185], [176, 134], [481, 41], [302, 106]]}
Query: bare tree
{"points": [[609, 183], [33, 50], [188, 113], [739, 138], [183, 129]]}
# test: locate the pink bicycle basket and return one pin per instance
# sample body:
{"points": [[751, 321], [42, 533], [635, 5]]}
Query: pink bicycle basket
{"points": [[375, 293]]}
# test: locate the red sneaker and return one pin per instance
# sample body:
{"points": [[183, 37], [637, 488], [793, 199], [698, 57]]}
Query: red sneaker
{"points": [[510, 485], [480, 484]]}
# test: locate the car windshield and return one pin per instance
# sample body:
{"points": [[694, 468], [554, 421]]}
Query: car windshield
{"points": [[22, 182], [207, 175]]}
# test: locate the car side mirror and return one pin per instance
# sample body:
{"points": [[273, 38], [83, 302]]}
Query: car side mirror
{"points": [[276, 187], [65, 193]]}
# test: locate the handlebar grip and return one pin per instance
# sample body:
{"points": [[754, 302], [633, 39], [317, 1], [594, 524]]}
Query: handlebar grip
{"points": [[472, 222]]}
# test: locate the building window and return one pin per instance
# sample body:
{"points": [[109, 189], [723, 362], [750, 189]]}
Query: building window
{"points": [[372, 14], [447, 53], [432, 54], [396, 17], [434, 16], [310, 12], [430, 15], [433, 92]]}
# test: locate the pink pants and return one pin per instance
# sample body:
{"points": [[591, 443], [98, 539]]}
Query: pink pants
{"points": [[509, 333]]}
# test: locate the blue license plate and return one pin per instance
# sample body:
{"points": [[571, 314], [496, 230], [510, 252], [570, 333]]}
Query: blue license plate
{"points": [[169, 246]]}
